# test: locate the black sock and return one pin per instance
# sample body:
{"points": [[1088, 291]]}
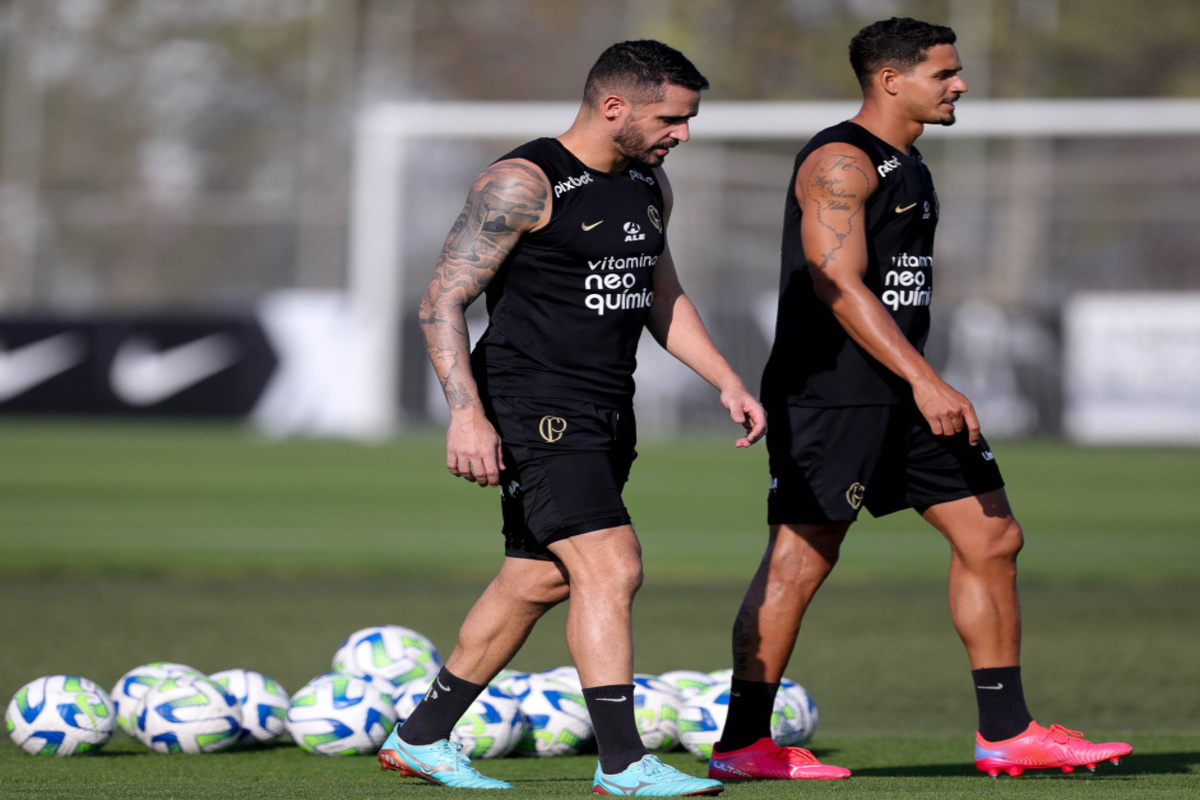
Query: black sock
{"points": [[749, 718], [1001, 699], [446, 700], [617, 738]]}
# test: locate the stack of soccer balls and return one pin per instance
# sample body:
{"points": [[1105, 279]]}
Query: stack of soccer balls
{"points": [[378, 677]]}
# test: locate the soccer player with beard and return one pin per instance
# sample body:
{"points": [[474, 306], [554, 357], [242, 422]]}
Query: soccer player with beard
{"points": [[859, 417], [566, 237]]}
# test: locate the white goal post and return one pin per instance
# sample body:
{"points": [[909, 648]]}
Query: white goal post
{"points": [[385, 131]]}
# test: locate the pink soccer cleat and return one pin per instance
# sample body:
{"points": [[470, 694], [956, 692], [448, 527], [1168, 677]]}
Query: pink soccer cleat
{"points": [[1044, 748], [765, 759]]}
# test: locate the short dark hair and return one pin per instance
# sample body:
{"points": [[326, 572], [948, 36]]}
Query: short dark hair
{"points": [[642, 66], [898, 42]]}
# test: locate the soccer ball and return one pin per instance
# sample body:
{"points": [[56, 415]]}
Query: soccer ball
{"points": [[337, 715], [798, 713], [388, 651], [491, 727], [133, 684], [559, 724], [702, 718], [656, 711], [188, 714], [407, 696], [264, 704], [567, 675], [60, 715], [688, 682], [512, 681]]}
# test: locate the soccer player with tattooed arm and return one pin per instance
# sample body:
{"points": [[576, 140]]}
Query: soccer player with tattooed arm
{"points": [[566, 237], [859, 418]]}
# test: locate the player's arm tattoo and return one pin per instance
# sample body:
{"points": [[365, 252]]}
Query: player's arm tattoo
{"points": [[836, 191], [507, 200]]}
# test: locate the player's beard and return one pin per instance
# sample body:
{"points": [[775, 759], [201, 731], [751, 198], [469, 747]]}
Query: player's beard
{"points": [[635, 147]]}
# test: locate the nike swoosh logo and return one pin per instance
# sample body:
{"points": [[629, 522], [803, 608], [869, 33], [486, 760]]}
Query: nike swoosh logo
{"points": [[900, 210], [587, 227], [996, 687], [29, 365], [143, 376], [620, 699], [440, 686]]}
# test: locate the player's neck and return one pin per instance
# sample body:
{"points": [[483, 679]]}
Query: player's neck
{"points": [[897, 130], [595, 152]]}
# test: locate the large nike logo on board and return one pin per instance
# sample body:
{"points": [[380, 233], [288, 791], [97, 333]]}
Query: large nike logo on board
{"points": [[143, 376], [26, 366]]}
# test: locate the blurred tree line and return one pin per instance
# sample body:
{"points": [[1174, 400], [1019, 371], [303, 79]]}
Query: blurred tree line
{"points": [[196, 153]]}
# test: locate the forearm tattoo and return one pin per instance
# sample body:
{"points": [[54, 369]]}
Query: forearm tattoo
{"points": [[507, 200], [837, 190]]}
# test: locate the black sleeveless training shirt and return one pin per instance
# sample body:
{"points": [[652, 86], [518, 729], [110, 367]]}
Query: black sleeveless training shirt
{"points": [[813, 361], [567, 308]]}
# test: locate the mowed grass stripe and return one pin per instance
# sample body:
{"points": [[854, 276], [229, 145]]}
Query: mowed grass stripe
{"points": [[77, 497]]}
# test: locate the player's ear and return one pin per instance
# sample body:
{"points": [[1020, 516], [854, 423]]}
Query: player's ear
{"points": [[612, 106], [888, 80]]}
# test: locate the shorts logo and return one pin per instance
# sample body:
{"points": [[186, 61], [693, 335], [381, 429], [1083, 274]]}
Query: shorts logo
{"points": [[987, 455], [551, 428], [854, 495]]}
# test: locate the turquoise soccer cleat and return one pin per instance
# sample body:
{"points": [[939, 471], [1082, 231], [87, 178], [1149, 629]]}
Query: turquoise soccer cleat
{"points": [[652, 778], [441, 763]]}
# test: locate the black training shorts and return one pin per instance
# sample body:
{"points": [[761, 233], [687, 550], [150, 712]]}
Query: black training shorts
{"points": [[827, 463], [566, 463]]}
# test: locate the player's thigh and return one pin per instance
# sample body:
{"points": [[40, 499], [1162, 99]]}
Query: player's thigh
{"points": [[822, 461], [942, 469], [567, 463]]}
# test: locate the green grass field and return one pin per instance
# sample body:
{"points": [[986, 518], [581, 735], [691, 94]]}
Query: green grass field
{"points": [[124, 544]]}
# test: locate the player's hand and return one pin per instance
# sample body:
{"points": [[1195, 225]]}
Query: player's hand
{"points": [[946, 410], [473, 447], [745, 411]]}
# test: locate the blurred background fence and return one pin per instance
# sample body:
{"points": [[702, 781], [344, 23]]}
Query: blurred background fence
{"points": [[175, 171]]}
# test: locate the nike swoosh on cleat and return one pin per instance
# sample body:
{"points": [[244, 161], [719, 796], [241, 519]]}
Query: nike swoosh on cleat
{"points": [[996, 687]]}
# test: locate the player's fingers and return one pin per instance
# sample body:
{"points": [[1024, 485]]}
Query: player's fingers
{"points": [[972, 425]]}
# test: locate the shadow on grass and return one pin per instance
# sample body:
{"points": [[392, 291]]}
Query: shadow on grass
{"points": [[1181, 763]]}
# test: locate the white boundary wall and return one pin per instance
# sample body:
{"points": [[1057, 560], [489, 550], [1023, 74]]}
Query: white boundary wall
{"points": [[386, 130]]}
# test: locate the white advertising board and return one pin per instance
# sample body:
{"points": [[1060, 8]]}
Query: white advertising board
{"points": [[1132, 368]]}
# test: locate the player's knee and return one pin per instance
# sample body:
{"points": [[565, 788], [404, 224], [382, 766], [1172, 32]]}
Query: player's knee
{"points": [[549, 591]]}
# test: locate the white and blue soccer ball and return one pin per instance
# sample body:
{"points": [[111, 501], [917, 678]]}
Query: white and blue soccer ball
{"points": [[797, 712], [60, 715], [565, 674], [406, 697], [264, 704], [702, 718], [492, 726], [512, 681], [132, 685], [188, 714], [687, 682], [337, 715], [391, 652], [656, 711], [558, 719]]}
